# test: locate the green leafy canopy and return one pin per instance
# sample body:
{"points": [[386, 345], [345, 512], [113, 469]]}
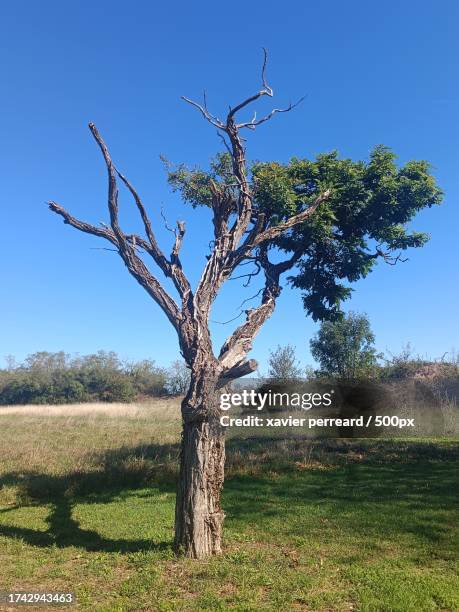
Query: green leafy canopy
{"points": [[365, 216]]}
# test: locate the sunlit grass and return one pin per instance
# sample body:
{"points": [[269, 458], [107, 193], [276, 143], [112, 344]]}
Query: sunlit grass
{"points": [[87, 503]]}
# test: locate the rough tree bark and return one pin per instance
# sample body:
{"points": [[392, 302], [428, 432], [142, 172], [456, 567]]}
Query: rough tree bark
{"points": [[198, 515], [241, 233]]}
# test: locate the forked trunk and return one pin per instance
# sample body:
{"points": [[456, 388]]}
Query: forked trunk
{"points": [[198, 513]]}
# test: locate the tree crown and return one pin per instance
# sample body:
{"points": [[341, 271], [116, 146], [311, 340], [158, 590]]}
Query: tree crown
{"points": [[326, 220], [364, 218], [345, 348]]}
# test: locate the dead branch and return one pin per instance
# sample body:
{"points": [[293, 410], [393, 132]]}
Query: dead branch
{"points": [[275, 231], [239, 343], [179, 234], [229, 320], [266, 91], [206, 114], [158, 254], [166, 224], [234, 241], [252, 297], [227, 251], [256, 122], [167, 266], [249, 275], [87, 228], [112, 187], [126, 247], [242, 369], [259, 236], [388, 257]]}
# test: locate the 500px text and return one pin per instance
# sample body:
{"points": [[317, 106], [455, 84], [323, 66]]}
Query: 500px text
{"points": [[257, 421]]}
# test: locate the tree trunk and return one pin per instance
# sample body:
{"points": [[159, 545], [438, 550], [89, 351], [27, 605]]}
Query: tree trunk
{"points": [[198, 513]]}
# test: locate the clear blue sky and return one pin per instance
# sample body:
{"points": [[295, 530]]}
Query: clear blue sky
{"points": [[373, 73]]}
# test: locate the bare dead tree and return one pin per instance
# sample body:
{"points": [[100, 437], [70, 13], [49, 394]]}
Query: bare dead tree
{"points": [[241, 234]]}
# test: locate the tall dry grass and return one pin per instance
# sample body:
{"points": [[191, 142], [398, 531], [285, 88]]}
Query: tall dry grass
{"points": [[80, 447], [160, 408], [68, 440]]}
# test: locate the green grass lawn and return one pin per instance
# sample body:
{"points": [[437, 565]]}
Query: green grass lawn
{"points": [[87, 503]]}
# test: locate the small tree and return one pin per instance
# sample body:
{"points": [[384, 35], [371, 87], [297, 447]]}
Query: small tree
{"points": [[283, 364], [345, 348], [178, 378], [146, 377], [44, 361], [11, 363], [321, 218]]}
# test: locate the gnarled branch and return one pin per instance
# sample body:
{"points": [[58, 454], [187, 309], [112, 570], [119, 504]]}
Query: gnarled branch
{"points": [[276, 230], [205, 113], [233, 244], [126, 245], [256, 122], [242, 369], [227, 252], [238, 345], [87, 228]]}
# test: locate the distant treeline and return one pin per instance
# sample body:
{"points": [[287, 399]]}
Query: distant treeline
{"points": [[59, 378]]}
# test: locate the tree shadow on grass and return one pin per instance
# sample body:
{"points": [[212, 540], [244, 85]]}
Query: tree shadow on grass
{"points": [[116, 473], [385, 488], [404, 486], [64, 531]]}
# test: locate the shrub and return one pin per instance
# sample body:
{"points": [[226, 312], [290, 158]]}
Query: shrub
{"points": [[56, 378], [283, 364], [147, 378]]}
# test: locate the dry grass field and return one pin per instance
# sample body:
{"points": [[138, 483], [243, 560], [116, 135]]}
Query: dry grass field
{"points": [[87, 502]]}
